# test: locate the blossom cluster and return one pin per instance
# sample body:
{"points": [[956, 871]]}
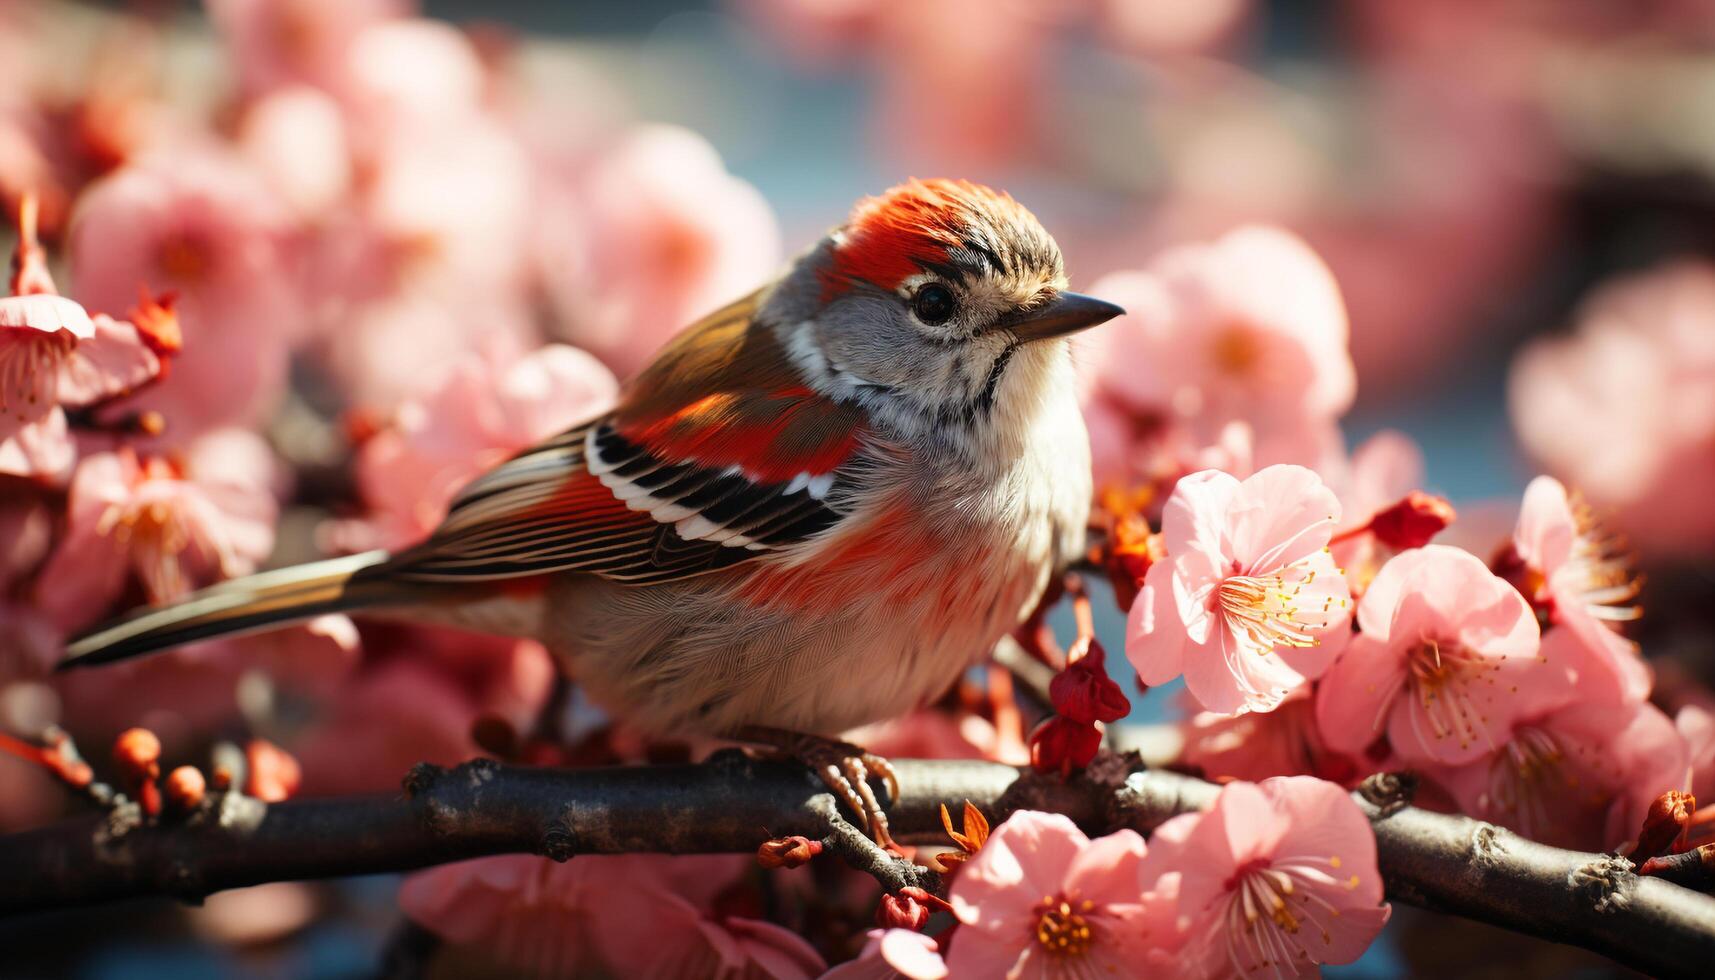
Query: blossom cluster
{"points": [[1320, 625]]}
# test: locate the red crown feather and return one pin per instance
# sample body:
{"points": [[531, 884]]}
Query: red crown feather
{"points": [[890, 237]]}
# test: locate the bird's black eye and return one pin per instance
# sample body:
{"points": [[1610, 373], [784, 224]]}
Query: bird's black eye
{"points": [[933, 304]]}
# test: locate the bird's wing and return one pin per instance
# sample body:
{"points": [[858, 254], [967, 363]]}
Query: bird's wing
{"points": [[716, 454]]}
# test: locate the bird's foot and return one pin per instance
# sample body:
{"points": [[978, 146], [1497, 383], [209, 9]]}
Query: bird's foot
{"points": [[844, 768]]}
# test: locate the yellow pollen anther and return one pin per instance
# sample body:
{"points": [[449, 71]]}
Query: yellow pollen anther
{"points": [[1265, 609], [1062, 927]]}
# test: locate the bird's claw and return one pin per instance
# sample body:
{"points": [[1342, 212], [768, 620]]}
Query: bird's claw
{"points": [[846, 770]]}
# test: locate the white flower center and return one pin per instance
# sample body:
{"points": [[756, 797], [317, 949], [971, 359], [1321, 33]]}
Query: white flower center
{"points": [[1266, 608]]}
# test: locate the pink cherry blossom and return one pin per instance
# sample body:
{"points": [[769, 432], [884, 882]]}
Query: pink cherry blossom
{"points": [[1041, 899], [201, 224], [451, 205], [482, 412], [1624, 408], [938, 101], [630, 915], [52, 354], [891, 954], [296, 139], [1249, 327], [275, 43], [1445, 660], [647, 237], [1247, 604], [411, 76], [171, 524], [1581, 777], [1588, 583], [1276, 876]]}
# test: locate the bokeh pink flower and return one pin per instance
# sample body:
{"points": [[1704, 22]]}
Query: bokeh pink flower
{"points": [[169, 524], [483, 411], [646, 237], [1623, 409], [1247, 329], [200, 224], [634, 915]]}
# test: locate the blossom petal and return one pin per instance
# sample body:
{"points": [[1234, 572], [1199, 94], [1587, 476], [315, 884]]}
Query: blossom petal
{"points": [[1194, 516], [1354, 698], [1025, 858], [1106, 871], [108, 364], [1155, 638], [40, 448], [1281, 514], [913, 954], [1546, 527], [47, 313]]}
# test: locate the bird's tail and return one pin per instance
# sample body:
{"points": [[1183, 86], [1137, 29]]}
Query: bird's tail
{"points": [[244, 605]]}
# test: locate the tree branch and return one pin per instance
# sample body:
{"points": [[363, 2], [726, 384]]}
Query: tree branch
{"points": [[733, 803]]}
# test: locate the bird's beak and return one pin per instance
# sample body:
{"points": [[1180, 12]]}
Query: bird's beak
{"points": [[1066, 313]]}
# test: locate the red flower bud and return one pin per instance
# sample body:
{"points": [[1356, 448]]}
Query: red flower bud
{"points": [[184, 788], [901, 912], [1666, 819], [1061, 745], [137, 755], [1693, 869], [1084, 692], [787, 852], [274, 775], [1412, 522]]}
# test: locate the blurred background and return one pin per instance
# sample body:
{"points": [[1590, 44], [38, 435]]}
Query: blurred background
{"points": [[373, 221]]}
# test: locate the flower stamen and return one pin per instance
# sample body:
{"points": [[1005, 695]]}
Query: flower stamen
{"points": [[1063, 926]]}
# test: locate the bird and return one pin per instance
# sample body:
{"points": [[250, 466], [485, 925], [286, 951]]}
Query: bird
{"points": [[814, 509]]}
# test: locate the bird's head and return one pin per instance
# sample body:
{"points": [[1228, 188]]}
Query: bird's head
{"points": [[939, 301]]}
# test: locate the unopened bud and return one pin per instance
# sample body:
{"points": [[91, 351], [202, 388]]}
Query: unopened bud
{"points": [[184, 788], [1665, 821], [1694, 868], [274, 775], [137, 754], [787, 852], [1061, 745], [1084, 692], [901, 912], [1412, 522]]}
